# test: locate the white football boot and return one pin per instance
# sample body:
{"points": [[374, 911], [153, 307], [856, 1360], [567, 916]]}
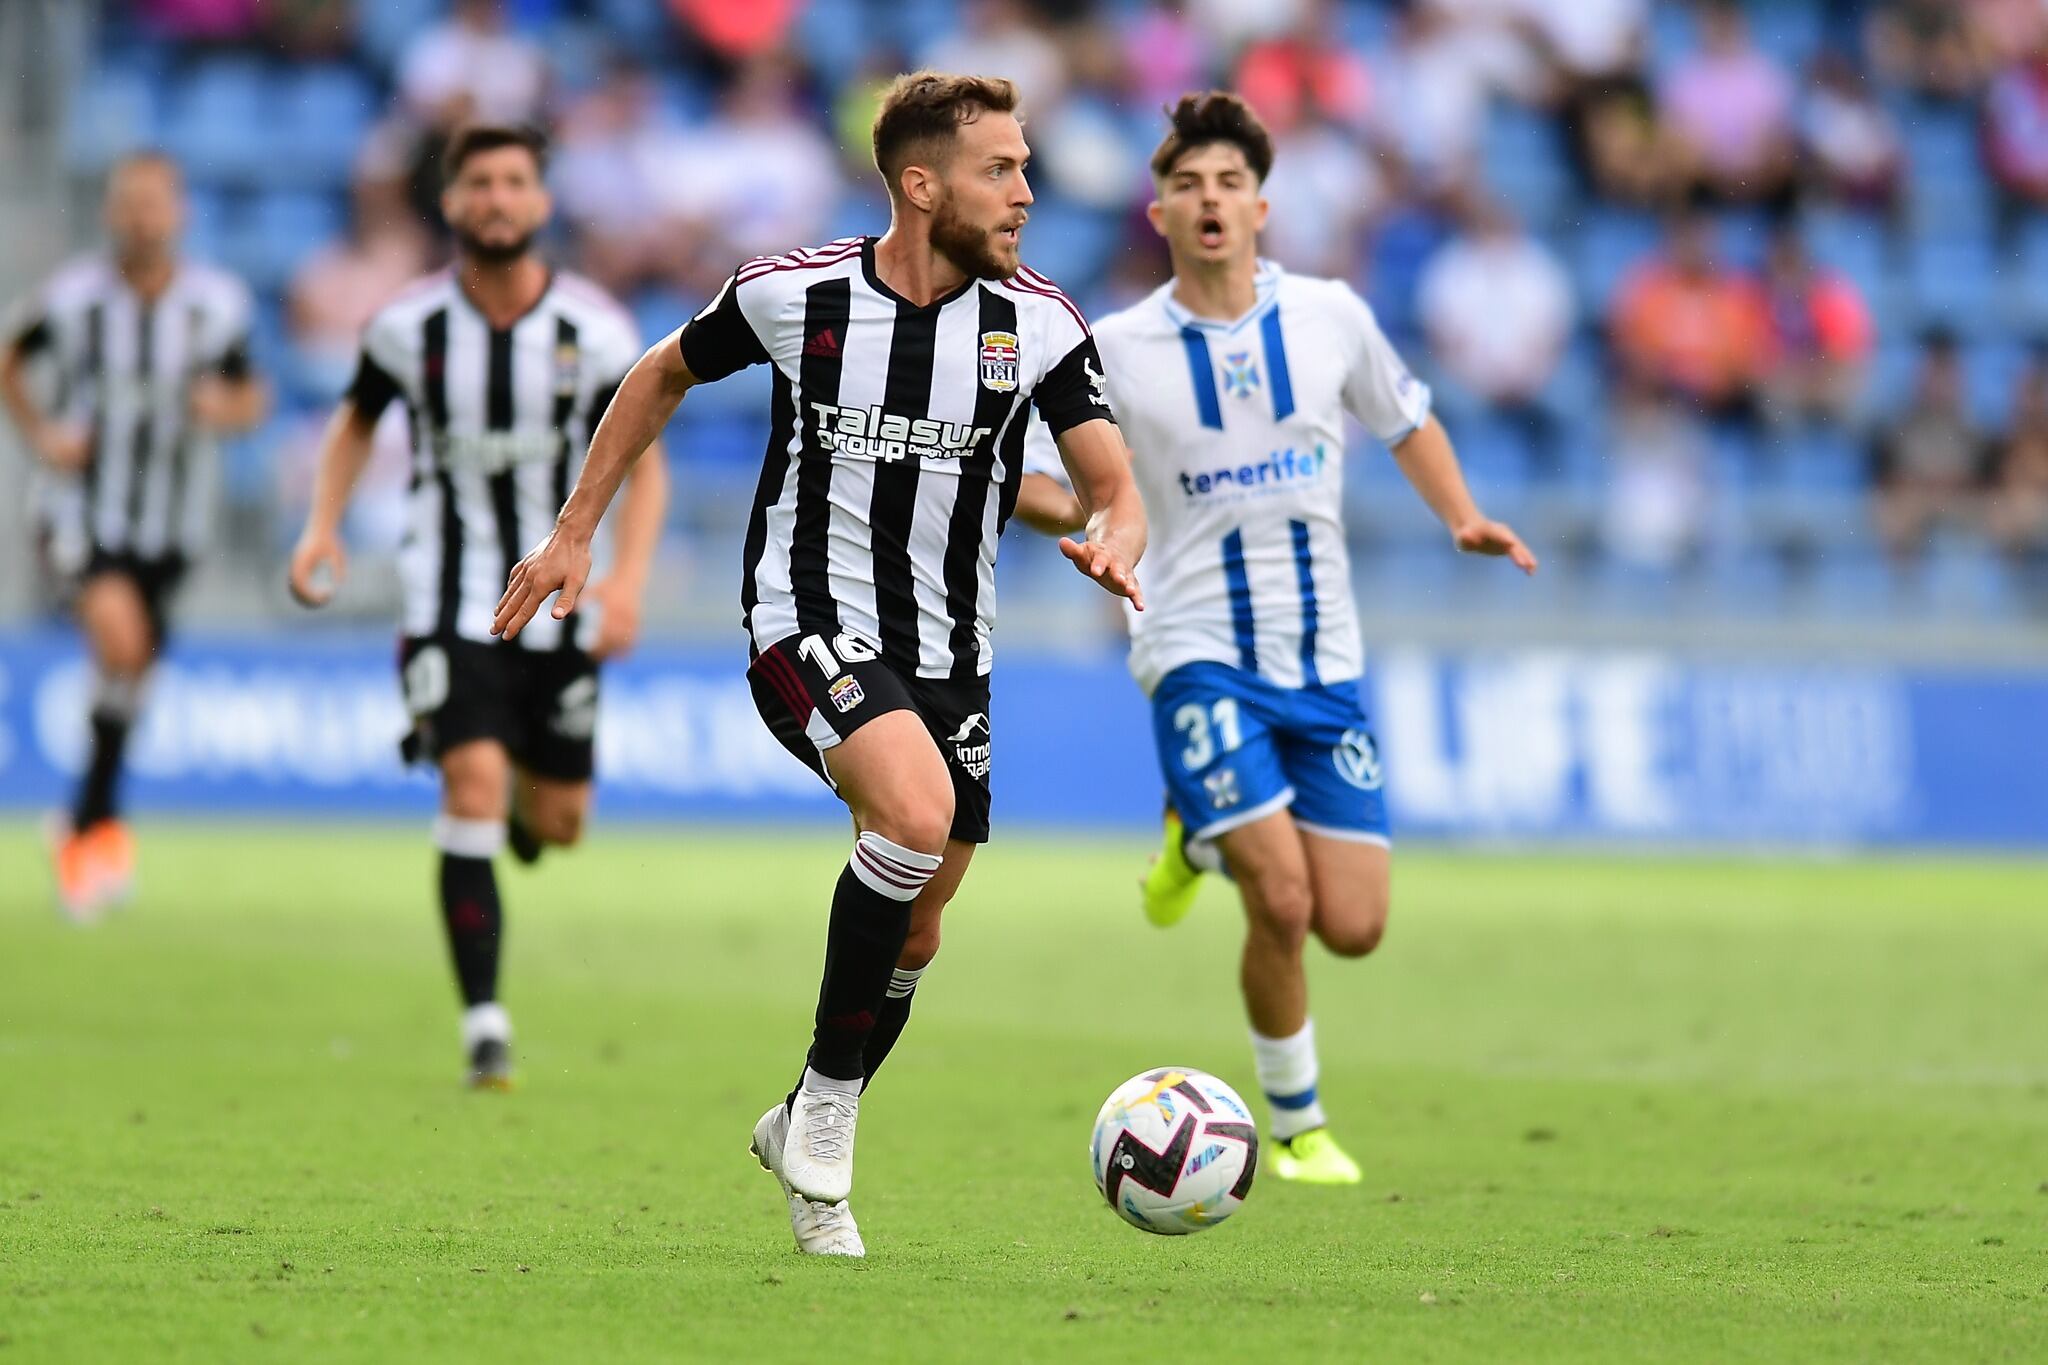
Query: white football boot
{"points": [[821, 1229], [817, 1155]]}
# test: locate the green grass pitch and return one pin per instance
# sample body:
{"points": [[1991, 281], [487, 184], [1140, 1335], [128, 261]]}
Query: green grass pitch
{"points": [[1610, 1109]]}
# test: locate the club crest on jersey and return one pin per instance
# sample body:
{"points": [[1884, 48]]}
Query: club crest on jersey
{"points": [[999, 361], [565, 369], [1240, 374], [846, 694]]}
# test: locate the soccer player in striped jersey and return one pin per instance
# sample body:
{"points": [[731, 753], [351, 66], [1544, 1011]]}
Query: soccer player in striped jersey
{"points": [[905, 368], [505, 367], [1233, 380], [150, 353]]}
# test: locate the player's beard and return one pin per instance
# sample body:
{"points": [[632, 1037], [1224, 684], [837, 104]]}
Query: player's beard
{"points": [[969, 248], [476, 249]]}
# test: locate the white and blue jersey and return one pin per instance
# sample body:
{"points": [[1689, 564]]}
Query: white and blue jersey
{"points": [[1249, 644]]}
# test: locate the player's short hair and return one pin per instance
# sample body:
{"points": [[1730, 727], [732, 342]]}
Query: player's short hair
{"points": [[921, 113], [1213, 116], [471, 139], [147, 156]]}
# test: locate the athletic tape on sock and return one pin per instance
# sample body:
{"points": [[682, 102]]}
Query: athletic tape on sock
{"points": [[889, 869], [903, 981], [119, 698], [469, 838], [487, 1020]]}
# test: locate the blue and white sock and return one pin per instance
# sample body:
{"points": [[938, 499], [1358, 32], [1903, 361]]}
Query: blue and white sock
{"points": [[1287, 1074]]}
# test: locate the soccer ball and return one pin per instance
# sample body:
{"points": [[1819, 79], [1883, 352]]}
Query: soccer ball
{"points": [[1174, 1151]]}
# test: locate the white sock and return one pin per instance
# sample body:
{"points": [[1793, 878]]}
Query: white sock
{"points": [[1287, 1075], [814, 1083], [487, 1020]]}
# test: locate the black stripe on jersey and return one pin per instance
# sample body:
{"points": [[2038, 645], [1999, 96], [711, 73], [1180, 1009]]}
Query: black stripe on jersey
{"points": [[145, 418], [827, 304], [964, 528], [565, 377], [95, 378], [498, 417], [907, 393], [434, 386]]}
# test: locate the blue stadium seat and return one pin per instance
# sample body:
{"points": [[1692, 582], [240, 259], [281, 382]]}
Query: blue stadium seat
{"points": [[1946, 186], [279, 231], [1964, 578], [122, 111], [1613, 242], [2026, 292], [1852, 584], [833, 39], [1524, 163], [1954, 282], [384, 28], [322, 114], [221, 123], [1069, 243], [1991, 371], [1789, 30]]}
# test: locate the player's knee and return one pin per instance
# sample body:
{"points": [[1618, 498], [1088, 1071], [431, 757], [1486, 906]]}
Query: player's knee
{"points": [[919, 947], [917, 820], [1282, 907], [560, 823], [1354, 937]]}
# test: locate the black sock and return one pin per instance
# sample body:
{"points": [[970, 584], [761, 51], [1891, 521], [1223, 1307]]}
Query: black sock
{"points": [[97, 798], [870, 920], [889, 1020], [476, 924]]}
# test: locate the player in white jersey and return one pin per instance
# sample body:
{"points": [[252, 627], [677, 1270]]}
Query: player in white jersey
{"points": [[1232, 382], [505, 368], [905, 368], [150, 357]]}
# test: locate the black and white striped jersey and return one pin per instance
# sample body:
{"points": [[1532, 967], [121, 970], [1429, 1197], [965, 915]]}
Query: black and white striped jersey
{"points": [[895, 444], [125, 368], [501, 419]]}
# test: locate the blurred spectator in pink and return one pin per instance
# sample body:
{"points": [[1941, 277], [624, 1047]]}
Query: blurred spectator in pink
{"points": [[1820, 336], [1931, 462], [1926, 46], [472, 66], [1004, 38], [1850, 139], [1685, 324], [1166, 54], [2018, 514], [608, 162], [1729, 106], [2016, 130], [737, 29], [339, 287], [1304, 74], [755, 179], [1654, 513], [1497, 308], [203, 21]]}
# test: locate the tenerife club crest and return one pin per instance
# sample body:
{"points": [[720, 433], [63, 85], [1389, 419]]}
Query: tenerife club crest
{"points": [[999, 361], [1240, 374]]}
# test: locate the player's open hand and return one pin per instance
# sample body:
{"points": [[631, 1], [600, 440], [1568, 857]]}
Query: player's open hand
{"points": [[618, 617], [318, 566], [558, 565], [1483, 537], [1106, 565]]}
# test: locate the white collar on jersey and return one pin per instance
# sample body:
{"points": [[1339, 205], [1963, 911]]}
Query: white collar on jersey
{"points": [[1264, 282]]}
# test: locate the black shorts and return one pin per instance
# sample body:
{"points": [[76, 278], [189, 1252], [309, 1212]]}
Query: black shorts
{"points": [[540, 704], [156, 580], [811, 707]]}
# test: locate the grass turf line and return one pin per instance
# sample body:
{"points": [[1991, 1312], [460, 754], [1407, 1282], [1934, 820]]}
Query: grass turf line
{"points": [[1608, 1110]]}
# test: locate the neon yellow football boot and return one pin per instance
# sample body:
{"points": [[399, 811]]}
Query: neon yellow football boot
{"points": [[1172, 883], [1314, 1158]]}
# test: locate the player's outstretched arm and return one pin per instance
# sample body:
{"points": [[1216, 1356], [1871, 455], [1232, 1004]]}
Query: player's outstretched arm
{"points": [[51, 442], [1048, 508], [1431, 467], [636, 535], [318, 561], [1100, 466], [561, 563]]}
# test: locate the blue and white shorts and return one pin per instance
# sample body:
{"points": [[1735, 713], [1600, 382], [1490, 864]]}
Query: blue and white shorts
{"points": [[1235, 748]]}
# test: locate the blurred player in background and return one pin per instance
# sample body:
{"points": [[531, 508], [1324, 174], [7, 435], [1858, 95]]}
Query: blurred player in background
{"points": [[151, 360], [505, 367], [905, 368], [1233, 380]]}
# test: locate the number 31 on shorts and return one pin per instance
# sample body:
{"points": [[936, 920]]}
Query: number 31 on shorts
{"points": [[1203, 726]]}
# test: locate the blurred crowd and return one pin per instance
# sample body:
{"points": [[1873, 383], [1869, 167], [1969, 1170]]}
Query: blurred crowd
{"points": [[1696, 283]]}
